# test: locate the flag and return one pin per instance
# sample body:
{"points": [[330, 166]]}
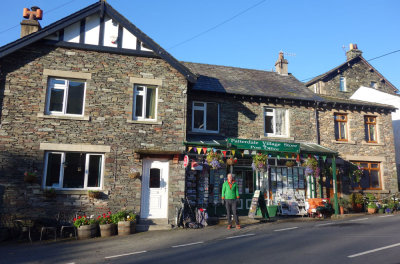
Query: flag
{"points": [[233, 152], [205, 150], [324, 158], [189, 149], [199, 150]]}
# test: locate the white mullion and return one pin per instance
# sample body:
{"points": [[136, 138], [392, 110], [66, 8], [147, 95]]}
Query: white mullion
{"points": [[274, 121], [61, 179], [64, 111], [205, 116], [85, 182], [144, 102]]}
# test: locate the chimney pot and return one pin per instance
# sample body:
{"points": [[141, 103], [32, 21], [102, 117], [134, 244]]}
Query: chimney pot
{"points": [[353, 52], [281, 65], [31, 24]]}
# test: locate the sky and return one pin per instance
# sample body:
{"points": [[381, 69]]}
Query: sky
{"points": [[314, 34]]}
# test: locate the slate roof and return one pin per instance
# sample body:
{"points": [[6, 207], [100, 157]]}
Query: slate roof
{"points": [[330, 99], [232, 80], [345, 65]]}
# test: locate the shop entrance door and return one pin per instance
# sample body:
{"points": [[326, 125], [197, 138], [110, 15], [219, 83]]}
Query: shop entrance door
{"points": [[245, 180], [154, 189]]}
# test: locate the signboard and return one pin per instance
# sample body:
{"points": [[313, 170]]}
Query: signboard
{"points": [[263, 145], [185, 161], [254, 204]]}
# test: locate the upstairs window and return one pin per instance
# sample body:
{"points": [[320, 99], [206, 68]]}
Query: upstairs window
{"points": [[275, 122], [65, 97], [342, 87], [341, 127], [370, 129], [374, 85], [73, 170], [145, 102], [205, 117]]}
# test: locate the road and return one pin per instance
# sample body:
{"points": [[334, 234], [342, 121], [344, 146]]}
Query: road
{"points": [[365, 239]]}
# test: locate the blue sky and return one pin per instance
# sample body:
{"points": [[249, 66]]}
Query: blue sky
{"points": [[314, 30]]}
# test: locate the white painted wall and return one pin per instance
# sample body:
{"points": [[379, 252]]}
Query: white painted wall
{"points": [[371, 95], [128, 40], [110, 32], [92, 30], [71, 33]]}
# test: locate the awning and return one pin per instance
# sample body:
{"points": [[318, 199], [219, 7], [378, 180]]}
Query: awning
{"points": [[219, 142]]}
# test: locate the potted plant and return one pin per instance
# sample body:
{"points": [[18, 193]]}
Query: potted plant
{"points": [[343, 203], [87, 228], [356, 173], [94, 194], [49, 193], [126, 222], [107, 227], [30, 176], [372, 207], [356, 200], [214, 160], [260, 162], [390, 207]]}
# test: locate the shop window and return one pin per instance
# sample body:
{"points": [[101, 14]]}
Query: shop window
{"points": [[72, 170], [275, 122], [370, 129], [145, 102], [205, 117], [341, 127], [342, 87], [155, 178], [373, 85], [371, 178], [65, 97], [249, 182]]}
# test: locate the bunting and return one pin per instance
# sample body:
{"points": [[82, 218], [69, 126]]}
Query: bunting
{"points": [[278, 156], [233, 152], [199, 150], [224, 152], [324, 158], [195, 149], [298, 158], [242, 152], [205, 150], [189, 149], [286, 155]]}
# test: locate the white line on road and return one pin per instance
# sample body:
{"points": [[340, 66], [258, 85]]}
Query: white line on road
{"points": [[127, 254], [385, 215], [240, 236], [284, 229], [184, 245], [373, 250], [361, 219], [325, 224]]}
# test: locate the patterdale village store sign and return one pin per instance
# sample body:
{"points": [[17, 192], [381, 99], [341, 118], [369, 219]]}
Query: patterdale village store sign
{"points": [[237, 143]]}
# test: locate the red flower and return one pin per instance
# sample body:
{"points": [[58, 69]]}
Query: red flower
{"points": [[74, 219], [109, 212], [84, 216], [108, 216], [79, 217], [98, 217], [104, 215]]}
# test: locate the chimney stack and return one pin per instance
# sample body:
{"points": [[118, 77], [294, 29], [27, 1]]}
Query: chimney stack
{"points": [[353, 52], [31, 25], [281, 65]]}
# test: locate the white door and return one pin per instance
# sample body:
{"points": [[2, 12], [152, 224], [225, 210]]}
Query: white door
{"points": [[154, 189]]}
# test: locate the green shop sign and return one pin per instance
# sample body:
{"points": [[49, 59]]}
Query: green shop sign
{"points": [[250, 144]]}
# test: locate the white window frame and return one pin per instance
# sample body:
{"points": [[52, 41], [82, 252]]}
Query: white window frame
{"points": [[342, 79], [274, 122], [204, 109], [144, 94], [64, 87], [373, 84], [61, 179]]}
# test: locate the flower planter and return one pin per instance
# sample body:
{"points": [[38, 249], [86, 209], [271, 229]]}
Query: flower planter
{"points": [[341, 210], [381, 211], [272, 209], [371, 210], [388, 211], [108, 230], [126, 228], [87, 231]]}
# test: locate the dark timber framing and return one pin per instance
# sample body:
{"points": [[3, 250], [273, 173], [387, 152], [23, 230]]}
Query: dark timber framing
{"points": [[101, 32], [102, 9], [120, 36], [82, 31]]}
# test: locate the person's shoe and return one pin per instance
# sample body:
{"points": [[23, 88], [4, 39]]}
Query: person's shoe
{"points": [[229, 227], [238, 227]]}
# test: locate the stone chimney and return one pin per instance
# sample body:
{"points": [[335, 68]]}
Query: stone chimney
{"points": [[353, 52], [31, 24], [281, 65]]}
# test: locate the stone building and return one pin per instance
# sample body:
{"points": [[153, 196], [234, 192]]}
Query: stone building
{"points": [[91, 104], [372, 136]]}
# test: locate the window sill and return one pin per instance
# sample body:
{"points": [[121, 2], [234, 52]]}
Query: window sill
{"points": [[372, 144], [277, 138], [203, 132], [370, 191], [72, 192], [130, 121], [344, 142], [82, 118]]}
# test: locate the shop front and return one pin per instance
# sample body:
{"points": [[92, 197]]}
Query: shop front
{"points": [[275, 168]]}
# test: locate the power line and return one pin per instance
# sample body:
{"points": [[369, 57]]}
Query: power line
{"points": [[216, 26], [366, 60], [58, 7]]}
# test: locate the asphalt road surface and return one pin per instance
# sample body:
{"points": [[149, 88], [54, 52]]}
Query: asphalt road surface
{"points": [[365, 239]]}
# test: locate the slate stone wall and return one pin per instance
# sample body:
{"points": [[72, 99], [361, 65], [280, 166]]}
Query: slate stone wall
{"points": [[108, 97], [358, 74]]}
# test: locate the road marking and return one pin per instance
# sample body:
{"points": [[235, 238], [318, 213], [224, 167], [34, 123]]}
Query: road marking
{"points": [[373, 250], [385, 215], [189, 244], [127, 254], [361, 219], [240, 236], [325, 224], [284, 229]]}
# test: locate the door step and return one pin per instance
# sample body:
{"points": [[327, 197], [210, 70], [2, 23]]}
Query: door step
{"points": [[147, 224]]}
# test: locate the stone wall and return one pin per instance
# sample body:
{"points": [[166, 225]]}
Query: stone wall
{"points": [[244, 118], [107, 122], [358, 74], [357, 149]]}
